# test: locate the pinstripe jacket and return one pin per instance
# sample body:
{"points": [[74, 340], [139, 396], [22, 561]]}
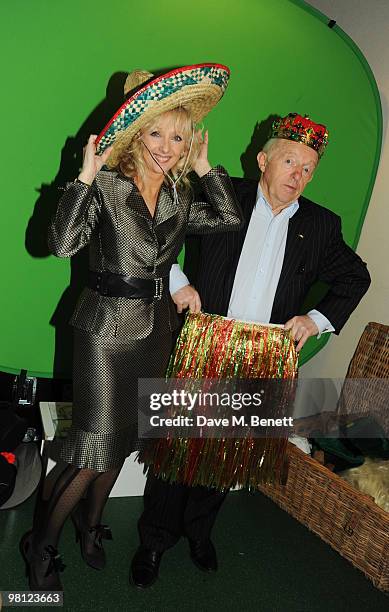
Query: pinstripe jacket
{"points": [[112, 218], [315, 251]]}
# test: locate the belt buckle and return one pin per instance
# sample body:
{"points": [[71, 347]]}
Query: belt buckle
{"points": [[158, 288]]}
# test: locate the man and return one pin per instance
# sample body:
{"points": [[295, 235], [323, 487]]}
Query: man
{"points": [[262, 273]]}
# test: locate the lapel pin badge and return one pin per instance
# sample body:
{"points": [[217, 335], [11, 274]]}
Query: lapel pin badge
{"points": [[300, 235]]}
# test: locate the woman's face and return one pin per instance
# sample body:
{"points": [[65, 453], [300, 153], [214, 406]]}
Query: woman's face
{"points": [[163, 142]]}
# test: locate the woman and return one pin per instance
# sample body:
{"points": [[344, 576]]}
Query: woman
{"points": [[134, 218]]}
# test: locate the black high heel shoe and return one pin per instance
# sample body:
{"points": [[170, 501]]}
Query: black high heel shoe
{"points": [[41, 568], [91, 546]]}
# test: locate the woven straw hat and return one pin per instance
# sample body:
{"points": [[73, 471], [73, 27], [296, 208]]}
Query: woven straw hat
{"points": [[198, 88]]}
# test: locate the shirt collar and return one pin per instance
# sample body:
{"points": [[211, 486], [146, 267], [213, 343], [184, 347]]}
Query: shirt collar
{"points": [[261, 202]]}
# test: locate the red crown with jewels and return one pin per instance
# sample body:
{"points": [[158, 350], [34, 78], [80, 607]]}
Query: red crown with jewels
{"points": [[301, 129]]}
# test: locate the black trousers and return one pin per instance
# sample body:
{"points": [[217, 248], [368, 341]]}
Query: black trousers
{"points": [[175, 510]]}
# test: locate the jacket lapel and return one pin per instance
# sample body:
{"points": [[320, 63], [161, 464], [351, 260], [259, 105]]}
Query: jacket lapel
{"points": [[129, 193], [299, 233], [166, 207], [234, 240]]}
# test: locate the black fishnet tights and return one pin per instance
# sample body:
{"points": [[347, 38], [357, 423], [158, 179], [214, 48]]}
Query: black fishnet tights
{"points": [[97, 496], [68, 490]]}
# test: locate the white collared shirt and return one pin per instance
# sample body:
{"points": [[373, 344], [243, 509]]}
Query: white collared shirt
{"points": [[260, 262], [259, 267]]}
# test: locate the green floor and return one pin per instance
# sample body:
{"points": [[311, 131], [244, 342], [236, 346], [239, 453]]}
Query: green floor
{"points": [[268, 562]]}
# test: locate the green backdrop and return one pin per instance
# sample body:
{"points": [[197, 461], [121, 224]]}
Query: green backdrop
{"points": [[63, 68]]}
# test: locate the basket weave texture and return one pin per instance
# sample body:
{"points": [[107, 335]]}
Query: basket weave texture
{"points": [[342, 516]]}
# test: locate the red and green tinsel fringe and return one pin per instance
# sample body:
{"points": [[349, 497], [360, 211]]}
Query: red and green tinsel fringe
{"points": [[211, 346]]}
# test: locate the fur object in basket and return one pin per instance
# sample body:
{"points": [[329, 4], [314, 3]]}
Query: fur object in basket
{"points": [[371, 478]]}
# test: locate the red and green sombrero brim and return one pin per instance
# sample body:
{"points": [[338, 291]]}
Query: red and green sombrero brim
{"points": [[198, 88]]}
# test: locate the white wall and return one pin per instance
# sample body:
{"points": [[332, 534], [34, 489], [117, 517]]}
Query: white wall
{"points": [[367, 23]]}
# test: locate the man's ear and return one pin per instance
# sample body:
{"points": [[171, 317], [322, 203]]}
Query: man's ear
{"points": [[262, 160]]}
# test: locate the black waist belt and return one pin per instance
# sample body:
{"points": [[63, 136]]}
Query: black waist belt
{"points": [[116, 285]]}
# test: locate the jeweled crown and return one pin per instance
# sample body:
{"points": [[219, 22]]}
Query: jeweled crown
{"points": [[301, 129]]}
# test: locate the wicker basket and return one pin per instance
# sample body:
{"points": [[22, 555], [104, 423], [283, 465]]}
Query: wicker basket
{"points": [[343, 517]]}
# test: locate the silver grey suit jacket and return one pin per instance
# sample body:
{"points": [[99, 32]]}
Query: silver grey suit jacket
{"points": [[112, 217]]}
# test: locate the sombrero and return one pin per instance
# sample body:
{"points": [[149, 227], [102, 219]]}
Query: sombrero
{"points": [[198, 88]]}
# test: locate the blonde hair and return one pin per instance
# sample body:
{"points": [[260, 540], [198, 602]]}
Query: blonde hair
{"points": [[131, 161]]}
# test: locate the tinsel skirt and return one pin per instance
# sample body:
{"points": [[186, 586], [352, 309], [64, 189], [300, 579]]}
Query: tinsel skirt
{"points": [[211, 346]]}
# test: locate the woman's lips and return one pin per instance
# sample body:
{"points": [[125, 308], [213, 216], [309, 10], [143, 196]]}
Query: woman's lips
{"points": [[163, 159]]}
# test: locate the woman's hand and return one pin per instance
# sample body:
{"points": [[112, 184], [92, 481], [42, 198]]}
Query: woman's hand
{"points": [[92, 163], [201, 166]]}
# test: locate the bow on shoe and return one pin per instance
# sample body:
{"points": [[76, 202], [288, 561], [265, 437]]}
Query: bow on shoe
{"points": [[101, 532], [55, 564]]}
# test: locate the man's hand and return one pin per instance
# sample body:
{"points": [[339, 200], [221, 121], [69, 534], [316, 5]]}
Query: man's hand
{"points": [[187, 297], [302, 328]]}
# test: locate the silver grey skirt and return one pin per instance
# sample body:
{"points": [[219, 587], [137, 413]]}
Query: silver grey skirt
{"points": [[105, 388]]}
